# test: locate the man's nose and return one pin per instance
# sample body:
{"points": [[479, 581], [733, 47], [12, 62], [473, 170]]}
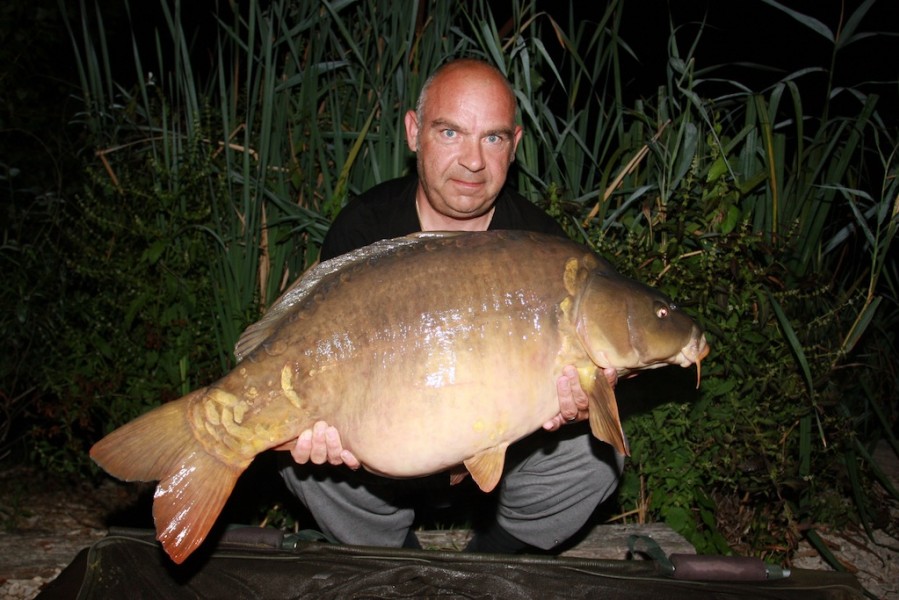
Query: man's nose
{"points": [[471, 155]]}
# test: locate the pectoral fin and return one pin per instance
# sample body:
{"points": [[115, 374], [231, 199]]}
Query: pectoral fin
{"points": [[487, 467], [604, 421]]}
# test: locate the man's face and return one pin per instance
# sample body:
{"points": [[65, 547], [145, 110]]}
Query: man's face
{"points": [[465, 141]]}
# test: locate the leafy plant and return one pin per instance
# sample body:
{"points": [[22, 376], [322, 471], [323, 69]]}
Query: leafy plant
{"points": [[744, 220], [208, 186]]}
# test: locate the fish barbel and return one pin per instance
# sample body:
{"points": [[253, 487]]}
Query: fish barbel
{"points": [[425, 352]]}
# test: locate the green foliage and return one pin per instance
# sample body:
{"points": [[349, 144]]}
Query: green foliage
{"points": [[735, 472], [35, 159], [207, 186], [136, 326], [752, 228], [29, 297]]}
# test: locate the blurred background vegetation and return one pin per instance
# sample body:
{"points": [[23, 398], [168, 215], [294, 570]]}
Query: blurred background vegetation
{"points": [[166, 172]]}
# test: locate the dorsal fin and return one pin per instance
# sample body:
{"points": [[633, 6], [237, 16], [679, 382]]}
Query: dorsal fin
{"points": [[309, 281]]}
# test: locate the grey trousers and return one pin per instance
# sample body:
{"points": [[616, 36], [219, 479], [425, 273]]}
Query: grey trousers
{"points": [[551, 484]]}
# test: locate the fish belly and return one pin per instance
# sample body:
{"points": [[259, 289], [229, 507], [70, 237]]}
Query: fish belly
{"points": [[447, 405]]}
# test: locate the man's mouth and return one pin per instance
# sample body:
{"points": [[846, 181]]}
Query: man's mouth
{"points": [[466, 185]]}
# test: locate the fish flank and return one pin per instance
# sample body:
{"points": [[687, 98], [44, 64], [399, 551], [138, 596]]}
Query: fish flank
{"points": [[287, 387]]}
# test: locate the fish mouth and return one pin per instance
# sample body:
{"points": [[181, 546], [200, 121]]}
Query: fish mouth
{"points": [[695, 352]]}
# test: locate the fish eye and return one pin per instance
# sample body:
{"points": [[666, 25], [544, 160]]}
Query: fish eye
{"points": [[662, 310]]}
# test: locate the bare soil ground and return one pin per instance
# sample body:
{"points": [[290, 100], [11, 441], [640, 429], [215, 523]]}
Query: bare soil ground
{"points": [[45, 524]]}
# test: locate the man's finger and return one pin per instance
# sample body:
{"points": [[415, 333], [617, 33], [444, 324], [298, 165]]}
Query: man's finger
{"points": [[553, 423], [334, 447], [300, 451], [319, 453], [567, 406], [350, 460]]}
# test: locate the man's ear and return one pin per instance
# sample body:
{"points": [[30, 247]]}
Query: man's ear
{"points": [[412, 130], [516, 137]]}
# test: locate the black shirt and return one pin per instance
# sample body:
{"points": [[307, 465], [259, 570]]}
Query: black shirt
{"points": [[388, 211]]}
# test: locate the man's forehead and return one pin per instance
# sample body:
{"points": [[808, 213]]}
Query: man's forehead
{"points": [[469, 109], [473, 84]]}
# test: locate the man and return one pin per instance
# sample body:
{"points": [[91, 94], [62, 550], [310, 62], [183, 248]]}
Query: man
{"points": [[464, 134]]}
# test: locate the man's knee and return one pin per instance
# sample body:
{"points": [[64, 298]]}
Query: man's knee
{"points": [[549, 494]]}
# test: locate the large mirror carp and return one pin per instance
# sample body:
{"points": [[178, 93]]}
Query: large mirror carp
{"points": [[426, 352]]}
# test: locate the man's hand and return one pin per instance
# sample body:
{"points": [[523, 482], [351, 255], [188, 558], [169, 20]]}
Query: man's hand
{"points": [[321, 444], [572, 397]]}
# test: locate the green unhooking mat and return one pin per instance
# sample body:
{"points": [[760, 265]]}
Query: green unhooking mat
{"points": [[264, 563]]}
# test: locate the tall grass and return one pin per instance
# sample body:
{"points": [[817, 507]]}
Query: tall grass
{"points": [[764, 219], [304, 106], [783, 212]]}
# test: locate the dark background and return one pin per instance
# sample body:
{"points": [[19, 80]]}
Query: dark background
{"points": [[38, 76]]}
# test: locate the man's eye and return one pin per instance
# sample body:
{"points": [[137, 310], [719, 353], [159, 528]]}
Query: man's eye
{"points": [[449, 133], [494, 139]]}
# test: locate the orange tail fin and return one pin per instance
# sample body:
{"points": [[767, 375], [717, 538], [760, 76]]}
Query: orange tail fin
{"points": [[193, 484]]}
